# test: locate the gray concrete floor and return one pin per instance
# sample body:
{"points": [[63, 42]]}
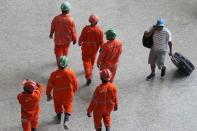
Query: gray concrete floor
{"points": [[167, 104]]}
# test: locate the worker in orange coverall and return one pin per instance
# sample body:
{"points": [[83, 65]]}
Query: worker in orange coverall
{"points": [[30, 107], [64, 28], [111, 51], [104, 101], [64, 84], [91, 39]]}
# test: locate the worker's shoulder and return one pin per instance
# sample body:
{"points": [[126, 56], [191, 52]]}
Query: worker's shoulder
{"points": [[118, 42], [111, 85], [69, 71], [19, 95]]}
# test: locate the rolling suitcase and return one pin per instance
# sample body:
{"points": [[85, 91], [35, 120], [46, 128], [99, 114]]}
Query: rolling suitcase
{"points": [[182, 63]]}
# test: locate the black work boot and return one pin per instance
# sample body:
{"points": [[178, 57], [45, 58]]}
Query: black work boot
{"points": [[66, 119], [99, 129], [33, 129], [163, 71], [58, 118], [150, 77], [89, 81], [107, 128]]}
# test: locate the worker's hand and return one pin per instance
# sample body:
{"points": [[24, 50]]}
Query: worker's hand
{"points": [[115, 108], [79, 44], [51, 36], [49, 97], [74, 42], [100, 50], [89, 114]]}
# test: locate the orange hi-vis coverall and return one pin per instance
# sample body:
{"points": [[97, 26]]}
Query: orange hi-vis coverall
{"points": [[103, 102], [109, 56], [64, 85], [65, 32], [30, 108], [91, 39]]}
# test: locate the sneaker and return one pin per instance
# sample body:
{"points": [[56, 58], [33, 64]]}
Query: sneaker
{"points": [[89, 81], [65, 126], [150, 77], [163, 71]]}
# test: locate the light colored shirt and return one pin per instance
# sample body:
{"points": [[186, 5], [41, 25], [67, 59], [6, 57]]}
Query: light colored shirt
{"points": [[161, 39]]}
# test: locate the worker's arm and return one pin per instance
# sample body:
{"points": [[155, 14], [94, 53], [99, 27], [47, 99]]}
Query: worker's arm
{"points": [[52, 29], [82, 36], [74, 82], [115, 98], [49, 88], [92, 104], [74, 32], [101, 39], [38, 92], [101, 56]]}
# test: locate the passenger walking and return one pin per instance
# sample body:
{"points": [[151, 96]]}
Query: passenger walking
{"points": [[161, 38]]}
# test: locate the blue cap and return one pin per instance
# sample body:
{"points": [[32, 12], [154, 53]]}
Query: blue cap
{"points": [[160, 22]]}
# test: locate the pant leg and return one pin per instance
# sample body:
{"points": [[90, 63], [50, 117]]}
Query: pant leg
{"points": [[107, 120], [26, 124], [97, 120], [67, 107], [58, 106], [161, 59], [113, 71], [152, 59], [34, 124], [87, 64]]}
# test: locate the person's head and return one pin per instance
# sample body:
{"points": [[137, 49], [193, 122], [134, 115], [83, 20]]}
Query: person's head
{"points": [[93, 19], [110, 34], [105, 75], [65, 7], [29, 86], [63, 62], [160, 24]]}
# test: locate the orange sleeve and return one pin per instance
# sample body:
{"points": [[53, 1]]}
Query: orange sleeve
{"points": [[74, 31], [53, 25], [101, 38], [115, 96], [18, 97], [93, 102], [81, 38], [38, 92], [101, 55], [74, 82], [49, 85]]}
